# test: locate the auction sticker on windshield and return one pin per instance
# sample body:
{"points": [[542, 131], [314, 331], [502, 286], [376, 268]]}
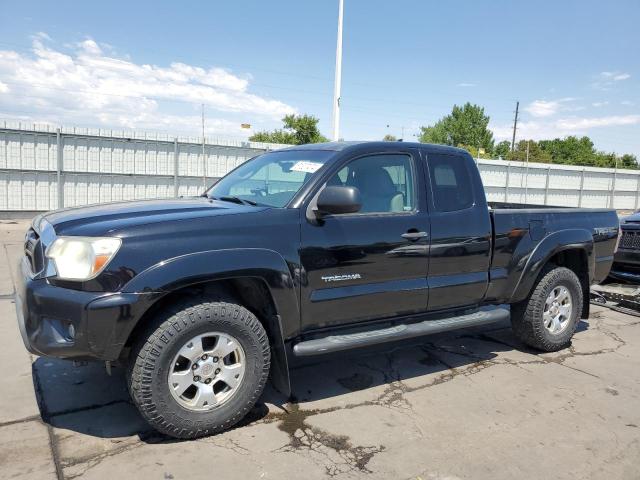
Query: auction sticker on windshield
{"points": [[305, 166]]}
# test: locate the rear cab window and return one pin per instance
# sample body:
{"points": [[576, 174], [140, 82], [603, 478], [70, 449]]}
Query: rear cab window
{"points": [[451, 185]]}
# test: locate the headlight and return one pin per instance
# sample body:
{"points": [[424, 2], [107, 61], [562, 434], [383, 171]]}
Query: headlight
{"points": [[82, 258]]}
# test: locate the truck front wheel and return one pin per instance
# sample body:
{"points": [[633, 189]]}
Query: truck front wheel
{"points": [[548, 318], [199, 368]]}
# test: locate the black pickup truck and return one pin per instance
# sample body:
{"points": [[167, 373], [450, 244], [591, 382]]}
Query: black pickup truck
{"points": [[299, 252]]}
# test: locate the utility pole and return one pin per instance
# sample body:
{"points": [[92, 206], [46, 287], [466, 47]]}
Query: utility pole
{"points": [[613, 187], [515, 126], [338, 76], [526, 176], [204, 159]]}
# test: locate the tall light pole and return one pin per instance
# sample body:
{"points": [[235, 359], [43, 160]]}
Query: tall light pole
{"points": [[338, 76]]}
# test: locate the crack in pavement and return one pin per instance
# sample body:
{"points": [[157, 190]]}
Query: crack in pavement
{"points": [[86, 408], [53, 444], [229, 444], [336, 453], [32, 418], [90, 462], [342, 455], [304, 437]]}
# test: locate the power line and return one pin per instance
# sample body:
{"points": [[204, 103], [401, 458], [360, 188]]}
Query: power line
{"points": [[120, 95], [28, 48], [194, 102]]}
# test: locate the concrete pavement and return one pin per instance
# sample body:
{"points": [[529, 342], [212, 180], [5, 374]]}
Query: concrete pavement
{"points": [[473, 404]]}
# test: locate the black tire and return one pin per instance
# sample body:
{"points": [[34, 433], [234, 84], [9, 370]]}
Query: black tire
{"points": [[154, 353], [527, 316]]}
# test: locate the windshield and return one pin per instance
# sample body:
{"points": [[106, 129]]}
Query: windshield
{"points": [[272, 178]]}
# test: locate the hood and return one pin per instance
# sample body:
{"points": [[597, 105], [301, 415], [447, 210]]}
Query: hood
{"points": [[106, 219], [632, 219]]}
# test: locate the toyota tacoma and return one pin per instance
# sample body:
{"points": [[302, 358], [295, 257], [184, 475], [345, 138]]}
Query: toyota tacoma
{"points": [[299, 252]]}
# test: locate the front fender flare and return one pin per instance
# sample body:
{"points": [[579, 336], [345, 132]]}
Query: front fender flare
{"points": [[267, 265], [551, 245]]}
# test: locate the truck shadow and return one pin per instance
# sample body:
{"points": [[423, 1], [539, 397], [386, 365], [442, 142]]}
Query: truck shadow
{"points": [[85, 399]]}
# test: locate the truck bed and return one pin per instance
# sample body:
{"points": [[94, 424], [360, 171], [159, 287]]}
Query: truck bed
{"points": [[519, 230]]}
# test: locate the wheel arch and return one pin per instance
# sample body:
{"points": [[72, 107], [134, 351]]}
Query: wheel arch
{"points": [[260, 281], [572, 249]]}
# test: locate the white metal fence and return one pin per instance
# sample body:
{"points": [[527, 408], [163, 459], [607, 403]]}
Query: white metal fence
{"points": [[43, 168], [560, 185]]}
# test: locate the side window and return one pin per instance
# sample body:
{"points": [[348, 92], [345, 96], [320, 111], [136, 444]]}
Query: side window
{"points": [[450, 182], [386, 182]]}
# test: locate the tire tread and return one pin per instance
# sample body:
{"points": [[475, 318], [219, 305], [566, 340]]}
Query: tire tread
{"points": [[526, 315], [147, 350]]}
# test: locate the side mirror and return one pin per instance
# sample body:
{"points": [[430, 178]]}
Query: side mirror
{"points": [[336, 200]]}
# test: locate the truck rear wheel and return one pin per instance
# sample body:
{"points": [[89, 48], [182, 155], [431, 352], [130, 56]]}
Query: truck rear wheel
{"points": [[548, 318], [199, 369]]}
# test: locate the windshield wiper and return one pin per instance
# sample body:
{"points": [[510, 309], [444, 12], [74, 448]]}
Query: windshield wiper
{"points": [[238, 200]]}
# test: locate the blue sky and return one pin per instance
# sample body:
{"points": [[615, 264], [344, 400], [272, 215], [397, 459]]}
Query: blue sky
{"points": [[573, 65]]}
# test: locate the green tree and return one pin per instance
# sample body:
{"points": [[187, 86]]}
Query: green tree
{"points": [[475, 152], [570, 150], [466, 125], [502, 149], [536, 153], [389, 138], [611, 160], [628, 161], [297, 130], [604, 160]]}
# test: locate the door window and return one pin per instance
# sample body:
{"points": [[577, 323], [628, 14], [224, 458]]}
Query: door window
{"points": [[450, 183], [385, 182]]}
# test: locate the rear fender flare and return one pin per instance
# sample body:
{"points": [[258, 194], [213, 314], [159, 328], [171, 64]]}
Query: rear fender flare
{"points": [[574, 239]]}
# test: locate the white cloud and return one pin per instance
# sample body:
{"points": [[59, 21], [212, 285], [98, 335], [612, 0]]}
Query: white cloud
{"points": [[89, 86], [90, 47], [542, 108], [615, 76], [41, 36], [583, 124], [466, 85], [547, 108], [606, 80], [627, 103], [538, 130], [600, 104]]}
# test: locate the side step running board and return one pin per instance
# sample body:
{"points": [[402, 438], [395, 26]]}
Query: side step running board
{"points": [[335, 343]]}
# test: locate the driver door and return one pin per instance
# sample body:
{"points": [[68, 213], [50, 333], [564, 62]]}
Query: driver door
{"points": [[372, 264]]}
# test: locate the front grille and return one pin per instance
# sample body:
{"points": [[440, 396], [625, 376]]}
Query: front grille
{"points": [[630, 240], [33, 251]]}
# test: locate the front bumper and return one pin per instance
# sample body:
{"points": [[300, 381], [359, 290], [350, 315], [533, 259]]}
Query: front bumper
{"points": [[66, 323], [626, 266]]}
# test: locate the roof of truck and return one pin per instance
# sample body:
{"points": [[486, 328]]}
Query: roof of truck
{"points": [[339, 146]]}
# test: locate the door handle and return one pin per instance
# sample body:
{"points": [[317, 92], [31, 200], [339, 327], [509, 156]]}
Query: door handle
{"points": [[413, 236]]}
